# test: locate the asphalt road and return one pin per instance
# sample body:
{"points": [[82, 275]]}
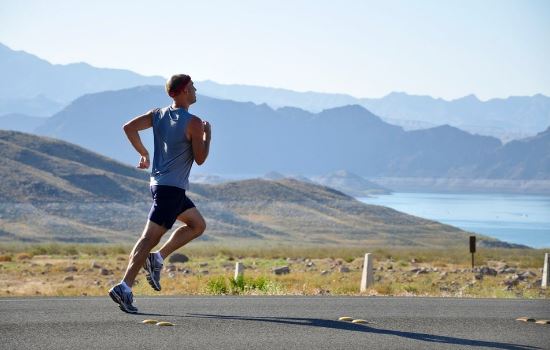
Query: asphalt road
{"points": [[273, 323]]}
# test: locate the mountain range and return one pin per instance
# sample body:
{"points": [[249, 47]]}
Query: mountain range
{"points": [[506, 118], [32, 86], [255, 139], [62, 192]]}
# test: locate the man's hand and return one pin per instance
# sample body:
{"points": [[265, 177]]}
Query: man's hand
{"points": [[132, 129], [144, 162], [207, 130]]}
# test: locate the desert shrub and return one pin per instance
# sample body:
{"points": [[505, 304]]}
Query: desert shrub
{"points": [[23, 256], [241, 285], [216, 285], [384, 288]]}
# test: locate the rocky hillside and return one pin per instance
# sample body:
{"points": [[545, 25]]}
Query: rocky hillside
{"points": [[56, 191]]}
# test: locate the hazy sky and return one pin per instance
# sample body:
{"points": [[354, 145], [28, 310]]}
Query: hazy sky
{"points": [[364, 48]]}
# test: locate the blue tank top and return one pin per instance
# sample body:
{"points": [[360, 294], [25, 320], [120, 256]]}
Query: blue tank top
{"points": [[173, 156]]}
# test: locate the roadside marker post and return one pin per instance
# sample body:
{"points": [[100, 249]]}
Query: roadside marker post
{"points": [[472, 248], [239, 270], [367, 279], [546, 271]]}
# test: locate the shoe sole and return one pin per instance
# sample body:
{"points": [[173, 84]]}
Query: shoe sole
{"points": [[149, 276], [117, 300]]}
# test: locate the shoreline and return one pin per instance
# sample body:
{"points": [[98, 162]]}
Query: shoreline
{"points": [[464, 185]]}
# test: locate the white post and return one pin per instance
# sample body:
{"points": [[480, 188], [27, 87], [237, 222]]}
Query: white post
{"points": [[239, 268], [367, 279], [546, 271]]}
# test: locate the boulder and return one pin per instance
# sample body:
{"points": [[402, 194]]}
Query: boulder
{"points": [[71, 269], [512, 281], [485, 270], [178, 258], [281, 270]]}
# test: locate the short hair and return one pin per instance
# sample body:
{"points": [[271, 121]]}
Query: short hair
{"points": [[176, 84]]}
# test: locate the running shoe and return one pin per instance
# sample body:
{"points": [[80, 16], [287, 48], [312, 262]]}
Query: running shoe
{"points": [[123, 298], [153, 268]]}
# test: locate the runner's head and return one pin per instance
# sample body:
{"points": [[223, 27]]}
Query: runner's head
{"points": [[180, 87]]}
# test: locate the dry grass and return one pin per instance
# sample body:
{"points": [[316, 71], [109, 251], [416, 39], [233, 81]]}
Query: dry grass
{"points": [[66, 270]]}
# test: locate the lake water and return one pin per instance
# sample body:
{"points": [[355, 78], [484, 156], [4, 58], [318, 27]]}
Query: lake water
{"points": [[519, 219]]}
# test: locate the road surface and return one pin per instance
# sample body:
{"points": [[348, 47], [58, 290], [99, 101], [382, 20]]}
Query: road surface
{"points": [[289, 322]]}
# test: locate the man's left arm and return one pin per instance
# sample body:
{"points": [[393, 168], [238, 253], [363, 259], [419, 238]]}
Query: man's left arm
{"points": [[132, 129]]}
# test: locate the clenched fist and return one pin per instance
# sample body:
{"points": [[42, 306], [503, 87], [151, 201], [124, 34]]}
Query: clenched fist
{"points": [[207, 130], [144, 162]]}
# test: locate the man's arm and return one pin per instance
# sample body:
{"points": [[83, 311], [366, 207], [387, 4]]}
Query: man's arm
{"points": [[200, 133], [132, 129]]}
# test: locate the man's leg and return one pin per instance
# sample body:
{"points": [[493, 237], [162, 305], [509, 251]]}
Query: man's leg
{"points": [[149, 239], [193, 228]]}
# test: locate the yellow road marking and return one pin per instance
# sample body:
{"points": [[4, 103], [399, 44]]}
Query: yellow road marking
{"points": [[150, 321]]}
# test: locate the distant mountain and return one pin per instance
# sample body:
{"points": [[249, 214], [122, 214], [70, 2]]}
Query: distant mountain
{"points": [[273, 175], [520, 159], [39, 106], [509, 118], [274, 97], [41, 84], [351, 184], [95, 121], [20, 122], [61, 192], [255, 139], [33, 86]]}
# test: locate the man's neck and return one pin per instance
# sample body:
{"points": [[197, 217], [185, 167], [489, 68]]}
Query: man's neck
{"points": [[183, 105]]}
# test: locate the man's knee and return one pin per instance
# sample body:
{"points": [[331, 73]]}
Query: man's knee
{"points": [[149, 239], [198, 227], [152, 233]]}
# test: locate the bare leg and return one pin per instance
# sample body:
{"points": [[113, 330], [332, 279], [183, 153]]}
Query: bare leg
{"points": [[193, 228], [149, 239]]}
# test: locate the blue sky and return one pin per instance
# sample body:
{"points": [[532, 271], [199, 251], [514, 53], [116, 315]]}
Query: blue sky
{"points": [[444, 49]]}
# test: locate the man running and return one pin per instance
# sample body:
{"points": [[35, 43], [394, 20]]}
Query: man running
{"points": [[180, 138]]}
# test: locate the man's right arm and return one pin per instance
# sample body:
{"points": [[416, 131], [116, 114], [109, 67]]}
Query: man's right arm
{"points": [[199, 133], [132, 129]]}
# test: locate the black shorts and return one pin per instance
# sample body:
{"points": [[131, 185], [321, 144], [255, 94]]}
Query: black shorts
{"points": [[168, 203]]}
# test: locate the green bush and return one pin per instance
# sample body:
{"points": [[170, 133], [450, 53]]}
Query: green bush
{"points": [[241, 285], [216, 285]]}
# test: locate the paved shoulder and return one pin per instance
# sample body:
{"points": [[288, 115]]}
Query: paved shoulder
{"points": [[274, 323]]}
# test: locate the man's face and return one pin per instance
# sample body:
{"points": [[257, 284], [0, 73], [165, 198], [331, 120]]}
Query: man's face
{"points": [[191, 95]]}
